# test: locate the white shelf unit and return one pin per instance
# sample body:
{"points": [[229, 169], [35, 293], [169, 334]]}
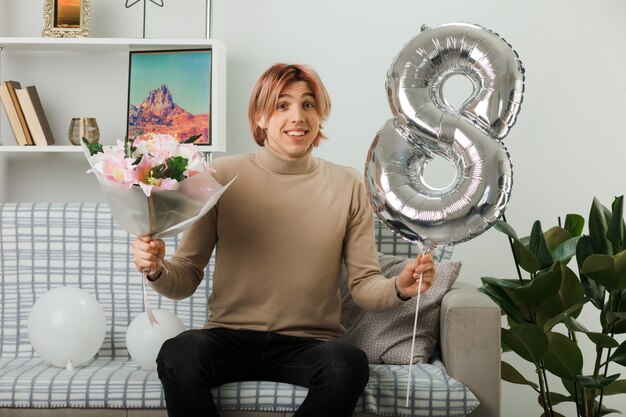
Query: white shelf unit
{"points": [[12, 47]]}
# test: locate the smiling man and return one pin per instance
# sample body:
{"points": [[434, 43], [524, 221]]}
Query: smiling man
{"points": [[280, 233]]}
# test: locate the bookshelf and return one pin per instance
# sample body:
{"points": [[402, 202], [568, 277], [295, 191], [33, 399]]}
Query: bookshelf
{"points": [[101, 73]]}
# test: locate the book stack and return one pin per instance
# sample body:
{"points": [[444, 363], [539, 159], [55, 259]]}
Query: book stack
{"points": [[25, 113]]}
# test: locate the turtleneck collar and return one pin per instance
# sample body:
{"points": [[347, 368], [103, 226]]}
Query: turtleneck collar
{"points": [[269, 158]]}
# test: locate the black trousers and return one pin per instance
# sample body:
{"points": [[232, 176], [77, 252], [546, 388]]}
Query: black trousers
{"points": [[196, 360]]}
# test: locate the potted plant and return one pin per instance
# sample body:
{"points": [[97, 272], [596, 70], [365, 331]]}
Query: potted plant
{"points": [[542, 309]]}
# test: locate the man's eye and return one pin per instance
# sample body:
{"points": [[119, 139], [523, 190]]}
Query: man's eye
{"points": [[309, 105], [281, 106]]}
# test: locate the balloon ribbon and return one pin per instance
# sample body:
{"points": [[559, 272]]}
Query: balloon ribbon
{"points": [[417, 308]]}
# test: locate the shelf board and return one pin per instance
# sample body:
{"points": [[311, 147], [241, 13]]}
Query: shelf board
{"points": [[40, 149], [100, 44]]}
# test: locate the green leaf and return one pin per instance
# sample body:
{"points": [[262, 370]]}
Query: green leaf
{"points": [[557, 398], [595, 383], [192, 139], [598, 227], [93, 148], [575, 309], [570, 293], [619, 356], [505, 228], [616, 387], [539, 247], [604, 270], [584, 249], [563, 358], [573, 325], [620, 270], [602, 340], [502, 298], [566, 250], [527, 340], [176, 167], [615, 319], [541, 288], [574, 224], [501, 283], [556, 235], [599, 339], [616, 228], [510, 374]]}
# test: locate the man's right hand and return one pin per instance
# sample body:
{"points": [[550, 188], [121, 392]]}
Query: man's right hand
{"points": [[148, 254]]}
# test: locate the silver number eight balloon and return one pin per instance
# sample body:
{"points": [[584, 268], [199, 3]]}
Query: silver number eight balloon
{"points": [[425, 125]]}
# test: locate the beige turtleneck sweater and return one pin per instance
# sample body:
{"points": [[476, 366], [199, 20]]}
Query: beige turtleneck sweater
{"points": [[280, 232]]}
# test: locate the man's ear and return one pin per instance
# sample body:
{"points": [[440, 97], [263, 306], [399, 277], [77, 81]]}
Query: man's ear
{"points": [[261, 122]]}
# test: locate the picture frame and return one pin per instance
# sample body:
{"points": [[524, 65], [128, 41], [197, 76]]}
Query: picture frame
{"points": [[66, 18], [170, 92]]}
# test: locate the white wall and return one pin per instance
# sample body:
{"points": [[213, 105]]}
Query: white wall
{"points": [[567, 146]]}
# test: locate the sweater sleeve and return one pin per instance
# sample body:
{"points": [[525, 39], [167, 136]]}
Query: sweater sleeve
{"points": [[369, 288]]}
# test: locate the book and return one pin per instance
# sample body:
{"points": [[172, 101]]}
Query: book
{"points": [[11, 86], [35, 116], [14, 120]]}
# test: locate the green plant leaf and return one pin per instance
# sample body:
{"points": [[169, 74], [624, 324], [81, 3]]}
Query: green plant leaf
{"points": [[502, 298], [602, 340], [616, 387], [176, 167], [620, 270], [510, 374], [615, 319], [574, 224], [570, 293], [599, 217], [542, 287], [527, 340], [539, 247], [619, 356], [557, 398], [192, 139], [505, 228], [556, 235], [594, 292], [595, 383], [563, 357], [573, 325], [510, 284], [575, 309], [616, 228], [566, 250], [603, 270], [93, 148]]}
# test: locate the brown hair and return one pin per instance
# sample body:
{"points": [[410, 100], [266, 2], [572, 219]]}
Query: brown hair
{"points": [[267, 89]]}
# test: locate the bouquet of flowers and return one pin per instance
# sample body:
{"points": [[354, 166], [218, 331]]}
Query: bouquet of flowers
{"points": [[154, 184]]}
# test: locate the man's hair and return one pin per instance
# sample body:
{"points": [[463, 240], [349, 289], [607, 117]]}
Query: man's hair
{"points": [[265, 94]]}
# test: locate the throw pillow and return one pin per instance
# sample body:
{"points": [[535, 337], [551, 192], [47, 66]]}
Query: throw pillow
{"points": [[386, 336]]}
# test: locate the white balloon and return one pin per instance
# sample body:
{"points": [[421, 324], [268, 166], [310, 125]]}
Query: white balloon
{"points": [[66, 326], [144, 340]]}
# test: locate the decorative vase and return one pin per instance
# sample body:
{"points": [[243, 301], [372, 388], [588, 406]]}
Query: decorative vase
{"points": [[83, 127]]}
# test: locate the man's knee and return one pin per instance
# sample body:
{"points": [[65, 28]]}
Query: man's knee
{"points": [[348, 364]]}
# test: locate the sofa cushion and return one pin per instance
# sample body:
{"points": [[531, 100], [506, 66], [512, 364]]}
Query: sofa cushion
{"points": [[386, 336], [120, 383]]}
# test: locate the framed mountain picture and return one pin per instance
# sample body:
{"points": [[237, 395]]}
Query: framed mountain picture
{"points": [[169, 92]]}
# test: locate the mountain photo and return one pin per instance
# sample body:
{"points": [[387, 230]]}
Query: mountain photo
{"points": [[169, 93]]}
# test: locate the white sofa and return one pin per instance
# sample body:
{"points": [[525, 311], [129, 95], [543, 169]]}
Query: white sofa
{"points": [[43, 246]]}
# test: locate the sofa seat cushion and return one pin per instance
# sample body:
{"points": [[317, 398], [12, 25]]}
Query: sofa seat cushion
{"points": [[120, 383]]}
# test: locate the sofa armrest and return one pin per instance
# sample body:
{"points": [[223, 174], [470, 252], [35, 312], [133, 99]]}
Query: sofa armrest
{"points": [[470, 344]]}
